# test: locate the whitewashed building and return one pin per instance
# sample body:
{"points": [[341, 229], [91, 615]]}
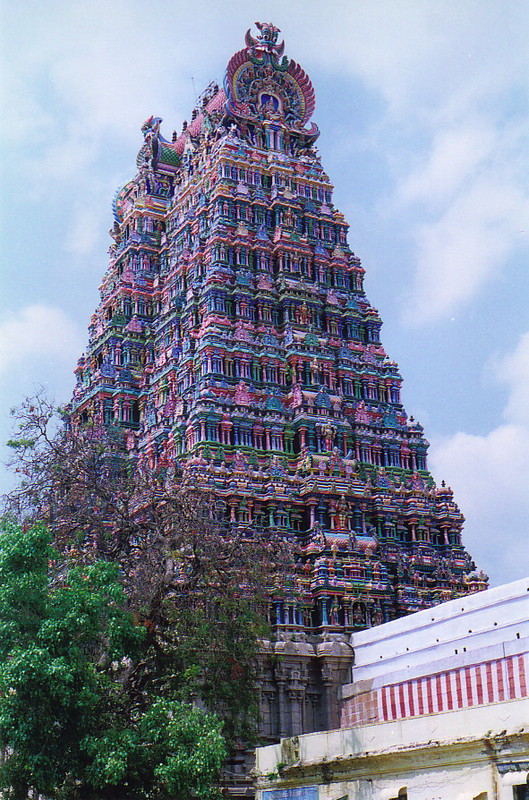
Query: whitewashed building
{"points": [[438, 710]]}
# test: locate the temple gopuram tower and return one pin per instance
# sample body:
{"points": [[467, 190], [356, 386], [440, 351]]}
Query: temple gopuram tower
{"points": [[234, 339]]}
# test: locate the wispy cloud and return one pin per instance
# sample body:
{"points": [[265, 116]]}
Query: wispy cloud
{"points": [[491, 475], [455, 84], [90, 75], [429, 51], [466, 245], [454, 157], [38, 333], [513, 370]]}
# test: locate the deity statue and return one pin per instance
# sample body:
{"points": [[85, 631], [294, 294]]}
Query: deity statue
{"points": [[329, 432]]}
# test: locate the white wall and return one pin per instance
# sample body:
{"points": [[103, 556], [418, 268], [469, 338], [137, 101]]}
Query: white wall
{"points": [[490, 619], [426, 732], [449, 756]]}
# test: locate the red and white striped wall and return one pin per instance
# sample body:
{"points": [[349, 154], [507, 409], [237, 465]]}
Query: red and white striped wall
{"points": [[479, 684]]}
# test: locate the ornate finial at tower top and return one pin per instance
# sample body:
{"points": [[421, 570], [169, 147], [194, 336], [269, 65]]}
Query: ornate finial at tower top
{"points": [[268, 32], [267, 39]]}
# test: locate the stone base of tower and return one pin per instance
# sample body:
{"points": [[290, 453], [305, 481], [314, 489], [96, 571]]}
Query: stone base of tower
{"points": [[299, 683]]}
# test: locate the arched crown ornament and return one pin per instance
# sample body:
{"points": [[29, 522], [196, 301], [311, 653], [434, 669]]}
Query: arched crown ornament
{"points": [[263, 84]]}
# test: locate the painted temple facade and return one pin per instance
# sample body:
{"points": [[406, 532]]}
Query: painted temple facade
{"points": [[234, 339]]}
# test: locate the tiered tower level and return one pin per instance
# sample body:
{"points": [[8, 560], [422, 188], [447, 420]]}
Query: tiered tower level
{"points": [[234, 339]]}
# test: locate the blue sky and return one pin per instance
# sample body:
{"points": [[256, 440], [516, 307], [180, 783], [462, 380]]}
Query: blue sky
{"points": [[423, 108]]}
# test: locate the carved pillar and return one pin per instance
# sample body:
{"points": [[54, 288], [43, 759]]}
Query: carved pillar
{"points": [[296, 691], [281, 676], [296, 699], [313, 714], [329, 692], [336, 659], [268, 715]]}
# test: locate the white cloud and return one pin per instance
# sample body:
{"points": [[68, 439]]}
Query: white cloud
{"points": [[37, 333], [491, 476], [454, 77], [91, 73], [455, 156], [39, 347], [466, 246], [470, 205], [514, 371], [91, 219], [423, 52]]}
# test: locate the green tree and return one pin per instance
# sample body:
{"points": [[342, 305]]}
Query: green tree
{"points": [[72, 722], [200, 583]]}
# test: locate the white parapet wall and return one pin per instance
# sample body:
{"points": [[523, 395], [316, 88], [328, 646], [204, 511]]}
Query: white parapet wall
{"points": [[461, 627]]}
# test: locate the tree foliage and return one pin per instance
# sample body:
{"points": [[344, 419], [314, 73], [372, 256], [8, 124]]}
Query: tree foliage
{"points": [[199, 586], [71, 722], [169, 536]]}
